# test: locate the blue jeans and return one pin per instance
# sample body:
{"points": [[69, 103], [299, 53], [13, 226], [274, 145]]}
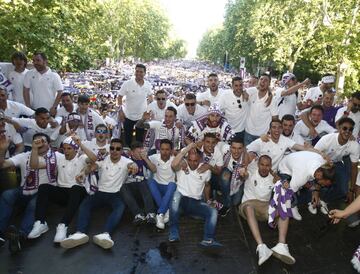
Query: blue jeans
{"points": [[340, 186], [225, 182], [97, 200], [162, 194], [192, 207], [8, 200], [248, 138]]}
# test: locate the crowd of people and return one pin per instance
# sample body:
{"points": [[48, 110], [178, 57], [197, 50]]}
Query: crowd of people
{"points": [[183, 139]]}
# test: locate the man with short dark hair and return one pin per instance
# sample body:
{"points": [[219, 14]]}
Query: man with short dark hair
{"points": [[213, 94], [44, 85], [16, 77], [157, 108], [189, 111], [137, 91]]}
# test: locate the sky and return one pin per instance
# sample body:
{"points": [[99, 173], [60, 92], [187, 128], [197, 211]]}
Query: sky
{"points": [[192, 18]]}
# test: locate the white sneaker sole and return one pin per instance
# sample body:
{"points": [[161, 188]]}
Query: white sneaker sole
{"points": [[264, 259], [38, 235], [285, 259], [71, 243], [105, 244]]}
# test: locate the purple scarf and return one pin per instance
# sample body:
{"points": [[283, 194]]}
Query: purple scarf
{"points": [[150, 137], [235, 181], [280, 203], [32, 175]]}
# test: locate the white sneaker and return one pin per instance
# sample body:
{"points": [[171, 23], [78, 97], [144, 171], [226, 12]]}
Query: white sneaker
{"points": [[103, 240], [166, 217], [38, 229], [160, 221], [354, 224], [281, 251], [323, 208], [61, 231], [74, 240], [264, 253], [295, 213], [313, 210]]}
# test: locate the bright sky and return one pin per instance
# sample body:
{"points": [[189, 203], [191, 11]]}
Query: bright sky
{"points": [[192, 18]]}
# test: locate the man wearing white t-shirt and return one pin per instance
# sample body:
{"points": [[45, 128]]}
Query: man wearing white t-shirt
{"points": [[11, 108], [255, 202], [287, 96], [263, 109], [213, 94], [189, 111], [337, 146], [15, 196], [113, 172], [42, 123], [162, 186], [304, 134], [65, 190], [314, 96], [352, 110], [235, 105], [13, 136], [17, 76], [44, 85], [100, 144], [188, 197], [275, 145], [158, 107], [136, 91], [67, 106]]}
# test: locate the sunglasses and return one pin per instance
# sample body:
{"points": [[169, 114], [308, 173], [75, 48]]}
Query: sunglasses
{"points": [[161, 99], [103, 131], [189, 104], [347, 129], [115, 148], [239, 103]]}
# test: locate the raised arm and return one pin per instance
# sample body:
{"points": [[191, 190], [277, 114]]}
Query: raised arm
{"points": [[176, 163]]}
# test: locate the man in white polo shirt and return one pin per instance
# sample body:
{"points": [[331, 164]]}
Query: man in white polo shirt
{"points": [[163, 185], [157, 108], [17, 76], [11, 108], [189, 111], [188, 196], [235, 105], [44, 85], [136, 91], [213, 94], [113, 172], [315, 95], [262, 109]]}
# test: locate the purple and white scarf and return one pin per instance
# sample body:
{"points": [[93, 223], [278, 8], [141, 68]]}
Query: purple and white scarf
{"points": [[91, 183], [32, 175], [88, 125], [163, 134], [235, 181], [280, 203]]}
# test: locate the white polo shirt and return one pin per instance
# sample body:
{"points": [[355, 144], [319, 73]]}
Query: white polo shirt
{"points": [[136, 98], [216, 158], [17, 79], [260, 115], [329, 144], [20, 160], [257, 187], [191, 183], [352, 115], [159, 114], [209, 97], [301, 166], [235, 115], [313, 94], [43, 87], [31, 128], [276, 151], [15, 109], [164, 173], [286, 104], [63, 113], [112, 175], [68, 169], [186, 117], [94, 147], [301, 131], [162, 132]]}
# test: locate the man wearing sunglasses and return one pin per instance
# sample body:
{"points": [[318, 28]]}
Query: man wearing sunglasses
{"points": [[235, 106], [113, 172], [157, 108], [337, 146], [352, 110], [189, 111], [100, 144]]}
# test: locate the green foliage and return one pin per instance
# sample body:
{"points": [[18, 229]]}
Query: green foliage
{"points": [[309, 37], [78, 34]]}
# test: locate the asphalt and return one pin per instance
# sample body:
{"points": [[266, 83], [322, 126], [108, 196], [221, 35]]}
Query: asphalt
{"points": [[317, 247]]}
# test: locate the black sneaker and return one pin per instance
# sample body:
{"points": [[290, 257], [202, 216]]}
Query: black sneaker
{"points": [[151, 218], [224, 211], [139, 219], [14, 240]]}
